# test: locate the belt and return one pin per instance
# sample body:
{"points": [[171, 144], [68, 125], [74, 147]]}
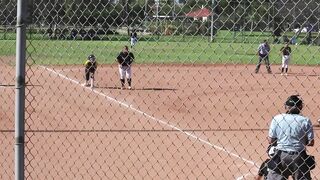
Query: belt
{"points": [[291, 152]]}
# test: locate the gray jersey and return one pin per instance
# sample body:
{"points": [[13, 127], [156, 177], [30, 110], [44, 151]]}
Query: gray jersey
{"points": [[264, 49]]}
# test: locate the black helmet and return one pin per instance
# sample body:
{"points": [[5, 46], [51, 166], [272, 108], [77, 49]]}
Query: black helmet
{"points": [[294, 100], [91, 57]]}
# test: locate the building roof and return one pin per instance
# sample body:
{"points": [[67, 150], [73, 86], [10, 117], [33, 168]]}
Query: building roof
{"points": [[203, 12]]}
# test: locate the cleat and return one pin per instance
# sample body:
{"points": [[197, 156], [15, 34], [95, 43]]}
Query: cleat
{"points": [[281, 74], [129, 87]]}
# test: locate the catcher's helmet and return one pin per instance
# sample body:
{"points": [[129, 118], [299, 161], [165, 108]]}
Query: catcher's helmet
{"points": [[91, 57], [294, 100]]}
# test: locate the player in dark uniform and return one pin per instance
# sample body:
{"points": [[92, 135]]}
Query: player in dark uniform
{"points": [[90, 69], [125, 60], [285, 52], [263, 54]]}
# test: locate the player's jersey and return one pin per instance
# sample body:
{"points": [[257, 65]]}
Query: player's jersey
{"points": [[286, 51], [134, 35], [90, 65], [264, 49], [125, 59]]}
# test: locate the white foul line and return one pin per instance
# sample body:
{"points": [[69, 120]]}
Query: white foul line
{"points": [[165, 123]]}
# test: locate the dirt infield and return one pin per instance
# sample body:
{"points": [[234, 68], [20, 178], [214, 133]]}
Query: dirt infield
{"points": [[178, 122]]}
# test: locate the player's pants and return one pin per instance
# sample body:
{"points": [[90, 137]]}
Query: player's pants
{"points": [[88, 72], [285, 61], [133, 41], [266, 59], [125, 71]]}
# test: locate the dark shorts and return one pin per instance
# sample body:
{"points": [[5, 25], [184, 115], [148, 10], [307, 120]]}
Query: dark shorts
{"points": [[263, 55], [90, 70]]}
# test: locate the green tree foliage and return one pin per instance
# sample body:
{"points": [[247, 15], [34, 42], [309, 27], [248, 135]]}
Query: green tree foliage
{"points": [[248, 14], [192, 5]]}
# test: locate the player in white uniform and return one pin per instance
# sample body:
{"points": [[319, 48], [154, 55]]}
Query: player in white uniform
{"points": [[133, 38], [125, 60]]}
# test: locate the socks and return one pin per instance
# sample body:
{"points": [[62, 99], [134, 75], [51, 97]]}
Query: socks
{"points": [[122, 82], [129, 82]]}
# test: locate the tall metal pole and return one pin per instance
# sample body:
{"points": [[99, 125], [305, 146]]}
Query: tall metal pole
{"points": [[20, 88], [174, 10], [273, 13], [157, 16], [212, 13], [127, 16], [146, 9]]}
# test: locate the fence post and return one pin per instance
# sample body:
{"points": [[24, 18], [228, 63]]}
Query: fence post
{"points": [[20, 88]]}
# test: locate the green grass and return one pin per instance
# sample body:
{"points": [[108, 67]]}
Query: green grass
{"points": [[221, 36], [192, 50]]}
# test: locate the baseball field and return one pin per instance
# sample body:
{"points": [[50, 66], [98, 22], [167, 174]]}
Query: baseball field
{"points": [[196, 110]]}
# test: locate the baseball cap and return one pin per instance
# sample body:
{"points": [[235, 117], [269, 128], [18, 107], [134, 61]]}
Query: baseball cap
{"points": [[293, 100]]}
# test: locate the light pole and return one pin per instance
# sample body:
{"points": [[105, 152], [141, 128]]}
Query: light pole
{"points": [[211, 29], [157, 15], [127, 16], [174, 9], [146, 9]]}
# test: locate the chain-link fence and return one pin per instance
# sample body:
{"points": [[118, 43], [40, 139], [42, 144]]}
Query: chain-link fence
{"points": [[194, 103]]}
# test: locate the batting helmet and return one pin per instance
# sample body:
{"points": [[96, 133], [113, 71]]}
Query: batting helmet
{"points": [[91, 57]]}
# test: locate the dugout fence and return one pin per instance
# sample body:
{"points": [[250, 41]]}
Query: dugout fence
{"points": [[196, 110]]}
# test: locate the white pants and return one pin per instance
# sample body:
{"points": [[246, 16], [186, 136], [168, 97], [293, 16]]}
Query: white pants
{"points": [[285, 61], [125, 71], [133, 41]]}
